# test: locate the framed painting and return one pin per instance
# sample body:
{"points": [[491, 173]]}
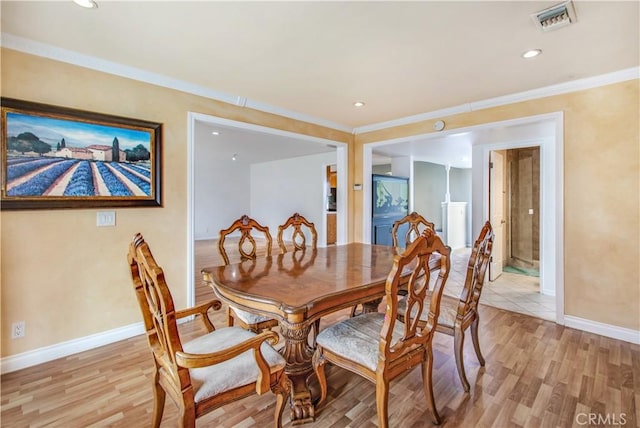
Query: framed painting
{"points": [[57, 157]]}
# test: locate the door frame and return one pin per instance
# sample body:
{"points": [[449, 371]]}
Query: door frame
{"points": [[551, 201], [551, 189], [341, 161]]}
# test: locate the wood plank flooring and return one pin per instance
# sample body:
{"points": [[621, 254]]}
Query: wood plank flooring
{"points": [[538, 374]]}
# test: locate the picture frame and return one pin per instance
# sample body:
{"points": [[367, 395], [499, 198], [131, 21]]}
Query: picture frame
{"points": [[56, 157]]}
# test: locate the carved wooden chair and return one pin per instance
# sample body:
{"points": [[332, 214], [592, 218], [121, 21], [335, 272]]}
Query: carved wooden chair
{"points": [[207, 372], [247, 249], [458, 314], [417, 224], [300, 225], [378, 346]]}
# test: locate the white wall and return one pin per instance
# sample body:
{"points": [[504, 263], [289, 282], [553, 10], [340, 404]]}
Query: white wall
{"points": [[281, 188], [430, 185], [221, 190], [460, 189]]}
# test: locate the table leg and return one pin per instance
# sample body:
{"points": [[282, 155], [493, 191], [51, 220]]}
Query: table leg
{"points": [[298, 354]]}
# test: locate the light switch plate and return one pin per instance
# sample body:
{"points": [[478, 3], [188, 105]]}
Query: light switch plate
{"points": [[106, 218]]}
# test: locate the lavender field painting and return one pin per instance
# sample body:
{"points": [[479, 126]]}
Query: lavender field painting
{"points": [[54, 157]]}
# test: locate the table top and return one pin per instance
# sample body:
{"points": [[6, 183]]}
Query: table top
{"points": [[302, 286]]}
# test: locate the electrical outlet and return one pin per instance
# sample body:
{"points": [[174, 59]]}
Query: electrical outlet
{"points": [[17, 329]]}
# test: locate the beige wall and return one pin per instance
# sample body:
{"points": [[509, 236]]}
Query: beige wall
{"points": [[63, 275], [601, 193], [68, 279]]}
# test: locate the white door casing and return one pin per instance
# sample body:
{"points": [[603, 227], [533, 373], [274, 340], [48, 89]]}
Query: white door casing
{"points": [[496, 212]]}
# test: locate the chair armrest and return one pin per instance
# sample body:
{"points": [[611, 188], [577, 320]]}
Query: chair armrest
{"points": [[202, 311], [192, 361]]}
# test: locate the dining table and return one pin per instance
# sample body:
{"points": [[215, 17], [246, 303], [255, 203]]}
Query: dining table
{"points": [[298, 288]]}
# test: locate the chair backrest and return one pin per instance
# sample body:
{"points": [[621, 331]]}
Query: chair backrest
{"points": [[247, 227], [476, 270], [417, 225], [415, 259], [298, 237], [158, 312]]}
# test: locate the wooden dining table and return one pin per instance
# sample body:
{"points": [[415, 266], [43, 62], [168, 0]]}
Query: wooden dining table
{"points": [[298, 288]]}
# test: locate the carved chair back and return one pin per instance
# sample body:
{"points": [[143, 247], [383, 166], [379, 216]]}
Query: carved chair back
{"points": [[416, 259], [247, 245], [476, 270], [298, 236], [417, 224]]}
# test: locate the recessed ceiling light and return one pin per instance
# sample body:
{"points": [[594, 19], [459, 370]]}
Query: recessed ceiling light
{"points": [[531, 53], [215, 133], [358, 104], [234, 157], [89, 4]]}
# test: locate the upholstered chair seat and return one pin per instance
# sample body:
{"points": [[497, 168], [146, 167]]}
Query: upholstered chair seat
{"points": [[239, 371], [357, 338], [249, 318]]}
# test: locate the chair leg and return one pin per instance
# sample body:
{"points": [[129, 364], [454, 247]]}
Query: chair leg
{"points": [[318, 367], [353, 311], [427, 381], [229, 317], [476, 342], [382, 401], [458, 344], [159, 396], [281, 389], [188, 417]]}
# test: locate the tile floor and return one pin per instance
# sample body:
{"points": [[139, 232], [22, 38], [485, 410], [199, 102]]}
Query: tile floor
{"points": [[510, 291]]}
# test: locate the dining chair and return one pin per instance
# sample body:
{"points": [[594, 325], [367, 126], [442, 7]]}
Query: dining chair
{"points": [[378, 346], [416, 225], [458, 314], [247, 249], [301, 229], [211, 370]]}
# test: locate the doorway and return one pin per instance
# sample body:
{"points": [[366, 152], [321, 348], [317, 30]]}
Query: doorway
{"points": [[305, 157], [544, 131], [514, 211]]}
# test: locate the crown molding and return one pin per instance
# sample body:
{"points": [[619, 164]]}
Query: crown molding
{"points": [[52, 52], [547, 91], [59, 54]]}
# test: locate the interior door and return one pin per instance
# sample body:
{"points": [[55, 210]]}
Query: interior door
{"points": [[496, 211]]}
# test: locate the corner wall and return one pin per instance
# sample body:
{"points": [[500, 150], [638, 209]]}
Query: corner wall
{"points": [[601, 193], [60, 273]]}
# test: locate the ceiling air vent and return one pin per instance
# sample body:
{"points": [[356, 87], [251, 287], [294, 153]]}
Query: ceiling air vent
{"points": [[555, 17]]}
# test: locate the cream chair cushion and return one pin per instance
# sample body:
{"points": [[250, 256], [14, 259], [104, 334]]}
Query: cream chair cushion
{"points": [[248, 317], [357, 338], [238, 371]]}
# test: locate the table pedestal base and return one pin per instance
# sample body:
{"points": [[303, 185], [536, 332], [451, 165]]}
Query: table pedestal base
{"points": [[298, 354]]}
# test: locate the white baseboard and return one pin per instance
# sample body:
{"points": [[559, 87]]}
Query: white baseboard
{"points": [[63, 349], [615, 332], [70, 347]]}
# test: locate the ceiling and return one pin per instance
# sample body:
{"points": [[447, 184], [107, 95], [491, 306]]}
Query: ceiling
{"points": [[314, 59]]}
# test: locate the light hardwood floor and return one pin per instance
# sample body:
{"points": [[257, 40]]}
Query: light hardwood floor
{"points": [[538, 374]]}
